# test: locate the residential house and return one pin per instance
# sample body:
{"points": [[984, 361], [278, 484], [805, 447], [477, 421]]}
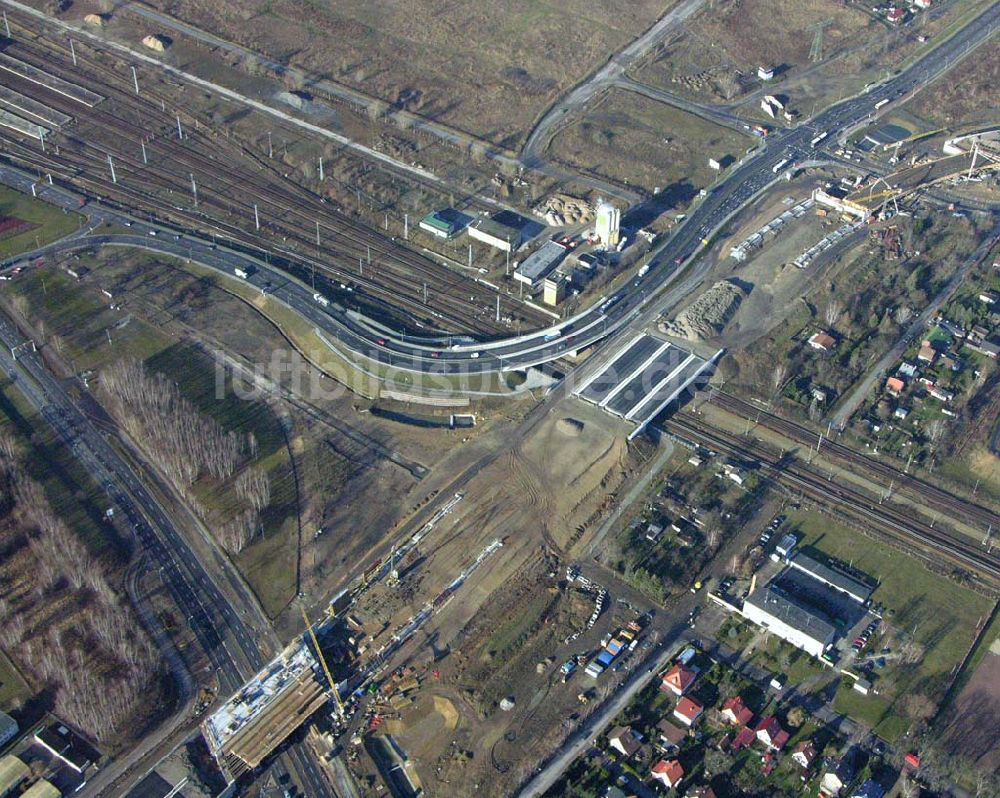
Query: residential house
{"points": [[668, 772], [688, 711], [804, 754], [770, 733], [901, 413], [911, 761], [988, 297], [988, 348], [927, 353], [736, 712], [941, 394], [922, 4], [678, 679], [653, 532], [907, 369], [624, 741], [896, 15], [870, 789], [671, 735], [822, 342], [894, 386], [834, 781], [704, 791], [743, 739]]}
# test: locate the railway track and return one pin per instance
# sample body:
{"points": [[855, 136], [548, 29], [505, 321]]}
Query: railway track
{"points": [[893, 522], [893, 478], [230, 181]]}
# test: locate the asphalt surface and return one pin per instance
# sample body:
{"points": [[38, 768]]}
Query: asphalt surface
{"points": [[220, 630], [444, 355]]}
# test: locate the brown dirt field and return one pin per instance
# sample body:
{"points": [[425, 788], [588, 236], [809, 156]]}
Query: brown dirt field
{"points": [[489, 69], [725, 39], [629, 139], [967, 97], [715, 59], [489, 639], [974, 729]]}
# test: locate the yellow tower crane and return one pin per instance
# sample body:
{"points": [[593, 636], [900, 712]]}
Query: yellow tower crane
{"points": [[322, 662]]}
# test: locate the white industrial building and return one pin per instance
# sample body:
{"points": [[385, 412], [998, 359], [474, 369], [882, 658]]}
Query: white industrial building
{"points": [[608, 224], [537, 266], [496, 234], [790, 619], [833, 577]]}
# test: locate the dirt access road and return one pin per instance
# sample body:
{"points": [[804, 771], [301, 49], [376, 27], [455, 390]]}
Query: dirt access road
{"points": [[603, 78]]}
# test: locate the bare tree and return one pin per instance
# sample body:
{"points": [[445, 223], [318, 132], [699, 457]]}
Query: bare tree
{"points": [[253, 485], [778, 377], [834, 309]]}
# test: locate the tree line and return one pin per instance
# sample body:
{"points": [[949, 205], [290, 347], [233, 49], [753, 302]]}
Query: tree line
{"points": [[188, 445], [60, 618]]}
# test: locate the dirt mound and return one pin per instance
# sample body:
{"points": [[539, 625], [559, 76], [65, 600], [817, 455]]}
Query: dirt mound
{"points": [[570, 427], [708, 315], [446, 709]]}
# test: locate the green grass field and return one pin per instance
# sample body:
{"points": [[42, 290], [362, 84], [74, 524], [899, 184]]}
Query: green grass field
{"points": [[269, 562], [81, 321], [51, 223], [934, 611], [75, 313], [13, 688]]}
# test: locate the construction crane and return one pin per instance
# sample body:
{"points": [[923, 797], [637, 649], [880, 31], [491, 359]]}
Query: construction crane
{"points": [[817, 28], [322, 662]]}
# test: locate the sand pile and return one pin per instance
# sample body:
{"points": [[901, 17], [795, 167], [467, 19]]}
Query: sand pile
{"points": [[708, 315]]}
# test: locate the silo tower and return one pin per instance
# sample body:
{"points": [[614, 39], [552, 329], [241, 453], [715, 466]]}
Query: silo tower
{"points": [[608, 223]]}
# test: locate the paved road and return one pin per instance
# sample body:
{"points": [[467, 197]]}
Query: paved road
{"points": [[221, 631], [581, 96], [442, 355]]}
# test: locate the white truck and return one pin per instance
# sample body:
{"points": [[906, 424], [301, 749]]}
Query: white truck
{"points": [[322, 300]]}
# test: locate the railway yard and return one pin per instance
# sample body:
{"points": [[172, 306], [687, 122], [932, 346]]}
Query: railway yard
{"points": [[189, 175], [401, 506]]}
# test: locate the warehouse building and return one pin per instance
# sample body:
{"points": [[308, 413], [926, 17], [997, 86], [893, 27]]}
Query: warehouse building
{"points": [[42, 789], [12, 773], [537, 266], [790, 619], [445, 223], [491, 231], [62, 742], [833, 577], [8, 728]]}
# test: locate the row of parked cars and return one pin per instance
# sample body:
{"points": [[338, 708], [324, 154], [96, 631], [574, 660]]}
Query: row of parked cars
{"points": [[862, 639]]}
